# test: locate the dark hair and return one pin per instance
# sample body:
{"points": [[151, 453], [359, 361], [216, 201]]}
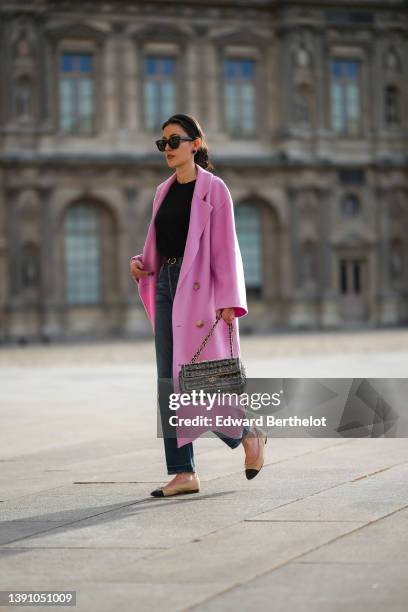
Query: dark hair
{"points": [[193, 129]]}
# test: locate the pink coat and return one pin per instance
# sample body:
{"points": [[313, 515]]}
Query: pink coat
{"points": [[211, 277]]}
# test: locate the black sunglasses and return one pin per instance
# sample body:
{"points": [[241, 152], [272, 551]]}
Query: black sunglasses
{"points": [[174, 141]]}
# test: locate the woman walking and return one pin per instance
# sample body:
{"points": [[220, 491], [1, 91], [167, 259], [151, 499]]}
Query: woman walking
{"points": [[189, 273]]}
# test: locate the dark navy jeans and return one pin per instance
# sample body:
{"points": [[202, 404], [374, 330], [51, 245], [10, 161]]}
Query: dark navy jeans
{"points": [[177, 459]]}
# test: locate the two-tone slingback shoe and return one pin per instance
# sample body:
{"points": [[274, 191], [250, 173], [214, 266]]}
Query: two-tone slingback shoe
{"points": [[252, 469], [192, 486]]}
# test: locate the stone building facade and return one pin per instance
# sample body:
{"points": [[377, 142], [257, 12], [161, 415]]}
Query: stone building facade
{"points": [[305, 109]]}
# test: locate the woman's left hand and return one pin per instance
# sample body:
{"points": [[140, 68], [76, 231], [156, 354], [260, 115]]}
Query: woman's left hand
{"points": [[228, 314]]}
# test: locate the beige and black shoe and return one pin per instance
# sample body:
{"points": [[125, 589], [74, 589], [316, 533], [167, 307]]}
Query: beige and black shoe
{"points": [[192, 486], [255, 436]]}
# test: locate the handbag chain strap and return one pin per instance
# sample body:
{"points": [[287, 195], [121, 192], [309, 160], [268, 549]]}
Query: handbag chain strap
{"points": [[204, 342]]}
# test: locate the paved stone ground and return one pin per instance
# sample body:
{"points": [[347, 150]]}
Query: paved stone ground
{"points": [[324, 526]]}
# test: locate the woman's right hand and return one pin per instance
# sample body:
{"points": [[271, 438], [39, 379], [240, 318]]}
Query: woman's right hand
{"points": [[137, 269]]}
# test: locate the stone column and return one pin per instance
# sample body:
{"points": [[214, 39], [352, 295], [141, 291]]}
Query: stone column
{"points": [[329, 316], [50, 326], [131, 70], [4, 260], [135, 322], [296, 312], [109, 85], [211, 59], [387, 299], [15, 327], [120, 51], [283, 79]]}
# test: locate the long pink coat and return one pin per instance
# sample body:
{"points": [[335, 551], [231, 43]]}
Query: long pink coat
{"points": [[211, 277]]}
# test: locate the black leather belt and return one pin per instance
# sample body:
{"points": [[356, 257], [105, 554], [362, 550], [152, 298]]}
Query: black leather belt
{"points": [[170, 261]]}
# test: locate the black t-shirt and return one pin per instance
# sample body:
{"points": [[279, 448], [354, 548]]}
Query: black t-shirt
{"points": [[173, 218]]}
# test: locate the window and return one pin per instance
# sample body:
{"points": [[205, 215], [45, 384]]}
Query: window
{"points": [[76, 93], [350, 205], [337, 17], [159, 90], [345, 96], [248, 227], [350, 276], [82, 255], [392, 115], [351, 177], [239, 86]]}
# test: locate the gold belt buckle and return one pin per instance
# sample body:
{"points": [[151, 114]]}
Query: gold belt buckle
{"points": [[172, 260]]}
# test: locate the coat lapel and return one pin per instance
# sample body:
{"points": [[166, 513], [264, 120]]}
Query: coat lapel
{"points": [[200, 212]]}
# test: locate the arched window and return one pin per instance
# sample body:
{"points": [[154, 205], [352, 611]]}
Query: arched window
{"points": [[82, 254], [248, 226]]}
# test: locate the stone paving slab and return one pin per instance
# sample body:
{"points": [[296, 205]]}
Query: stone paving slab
{"points": [[309, 472], [365, 569], [69, 565], [146, 597], [215, 558], [363, 499], [66, 503], [391, 532], [322, 528], [216, 561], [284, 482], [218, 555], [319, 587], [107, 460], [271, 545]]}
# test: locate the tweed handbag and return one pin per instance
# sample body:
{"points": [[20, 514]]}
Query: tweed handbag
{"points": [[215, 374]]}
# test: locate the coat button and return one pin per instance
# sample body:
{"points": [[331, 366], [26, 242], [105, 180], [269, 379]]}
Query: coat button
{"points": [[196, 286], [199, 323]]}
